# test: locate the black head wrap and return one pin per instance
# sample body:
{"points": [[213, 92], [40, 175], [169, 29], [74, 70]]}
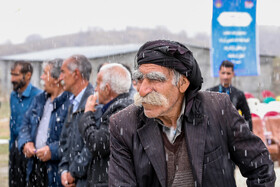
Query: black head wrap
{"points": [[173, 55]]}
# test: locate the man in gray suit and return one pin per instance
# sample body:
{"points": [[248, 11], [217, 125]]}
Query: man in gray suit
{"points": [[75, 157], [176, 135]]}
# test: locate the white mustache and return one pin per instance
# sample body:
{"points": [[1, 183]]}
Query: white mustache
{"points": [[62, 82], [153, 98]]}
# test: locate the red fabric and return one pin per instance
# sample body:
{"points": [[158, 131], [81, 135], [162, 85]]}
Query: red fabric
{"points": [[271, 113], [248, 95], [267, 93], [255, 115]]}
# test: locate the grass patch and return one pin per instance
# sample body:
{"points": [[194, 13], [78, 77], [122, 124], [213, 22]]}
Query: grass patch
{"points": [[4, 120], [4, 159], [4, 149], [4, 129], [5, 109], [4, 134]]}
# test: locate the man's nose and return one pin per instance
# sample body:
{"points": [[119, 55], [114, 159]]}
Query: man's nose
{"points": [[13, 78], [144, 88], [60, 77], [226, 77]]}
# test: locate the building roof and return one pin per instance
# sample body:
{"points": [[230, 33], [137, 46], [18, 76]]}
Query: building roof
{"points": [[90, 52]]}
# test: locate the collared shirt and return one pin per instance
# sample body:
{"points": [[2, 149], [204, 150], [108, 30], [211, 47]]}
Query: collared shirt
{"points": [[76, 100], [42, 133], [171, 132], [224, 89], [106, 106], [19, 103]]}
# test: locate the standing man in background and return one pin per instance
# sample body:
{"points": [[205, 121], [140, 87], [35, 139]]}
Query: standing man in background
{"points": [[20, 100], [237, 97], [41, 128], [75, 156]]}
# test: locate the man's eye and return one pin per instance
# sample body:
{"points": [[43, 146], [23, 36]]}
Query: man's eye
{"points": [[157, 79], [139, 78], [154, 80]]}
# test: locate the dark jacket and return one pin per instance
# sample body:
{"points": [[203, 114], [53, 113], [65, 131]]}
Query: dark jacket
{"points": [[30, 124], [75, 156], [215, 137], [238, 99], [95, 132]]}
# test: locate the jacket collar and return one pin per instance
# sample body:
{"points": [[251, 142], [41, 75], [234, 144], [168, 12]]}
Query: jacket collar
{"points": [[195, 140], [58, 101], [151, 139], [106, 108], [195, 126], [89, 91], [26, 92]]}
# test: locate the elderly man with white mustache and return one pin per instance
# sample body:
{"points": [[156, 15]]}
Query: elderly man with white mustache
{"points": [[176, 135]]}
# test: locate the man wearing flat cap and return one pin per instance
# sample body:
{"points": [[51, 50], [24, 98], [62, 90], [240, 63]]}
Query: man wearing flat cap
{"points": [[176, 135]]}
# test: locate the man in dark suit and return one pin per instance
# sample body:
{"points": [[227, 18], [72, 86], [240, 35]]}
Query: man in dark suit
{"points": [[176, 135], [75, 156], [112, 85], [237, 97]]}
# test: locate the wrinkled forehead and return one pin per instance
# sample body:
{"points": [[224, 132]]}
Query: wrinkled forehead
{"points": [[148, 68], [47, 68], [66, 65]]}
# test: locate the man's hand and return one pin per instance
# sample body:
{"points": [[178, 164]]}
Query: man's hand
{"points": [[44, 153], [71, 180], [29, 149], [67, 180], [91, 102]]}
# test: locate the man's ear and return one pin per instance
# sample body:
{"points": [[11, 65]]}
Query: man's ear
{"points": [[56, 81], [107, 88], [183, 84], [28, 76], [77, 73]]}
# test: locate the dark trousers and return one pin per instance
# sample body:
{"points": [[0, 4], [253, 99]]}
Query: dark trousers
{"points": [[38, 176], [17, 167]]}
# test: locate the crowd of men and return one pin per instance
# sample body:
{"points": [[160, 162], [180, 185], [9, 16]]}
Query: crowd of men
{"points": [[170, 133]]}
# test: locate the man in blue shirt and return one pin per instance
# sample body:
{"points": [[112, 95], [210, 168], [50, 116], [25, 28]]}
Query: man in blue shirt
{"points": [[20, 100]]}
